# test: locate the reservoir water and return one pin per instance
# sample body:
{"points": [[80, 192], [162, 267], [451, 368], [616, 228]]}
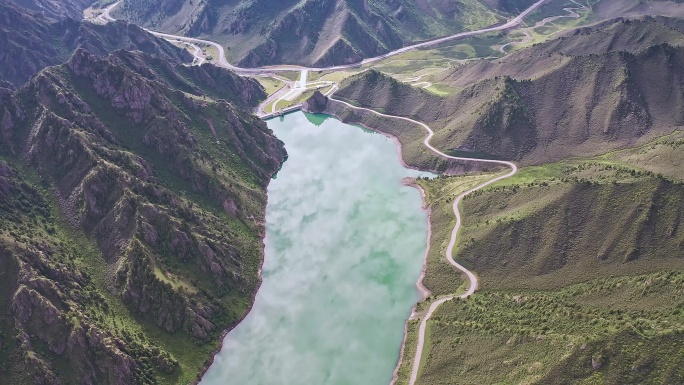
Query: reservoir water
{"points": [[344, 247]]}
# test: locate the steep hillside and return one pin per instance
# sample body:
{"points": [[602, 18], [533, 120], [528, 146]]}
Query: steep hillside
{"points": [[29, 43], [631, 8], [132, 214], [580, 275], [55, 9], [313, 32], [620, 34], [581, 227], [511, 109]]}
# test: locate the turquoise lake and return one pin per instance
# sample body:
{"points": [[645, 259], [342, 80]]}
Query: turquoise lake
{"points": [[344, 248]]}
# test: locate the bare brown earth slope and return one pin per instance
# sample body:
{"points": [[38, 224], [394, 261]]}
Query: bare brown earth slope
{"points": [[621, 84]]}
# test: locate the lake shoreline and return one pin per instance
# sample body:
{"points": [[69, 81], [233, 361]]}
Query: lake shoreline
{"points": [[424, 291], [421, 290], [260, 280], [410, 182], [399, 146]]}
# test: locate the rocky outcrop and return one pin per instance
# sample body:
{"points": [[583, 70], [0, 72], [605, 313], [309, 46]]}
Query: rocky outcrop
{"points": [[596, 361], [54, 308], [316, 103]]}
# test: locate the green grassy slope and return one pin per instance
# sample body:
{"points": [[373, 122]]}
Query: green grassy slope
{"points": [[439, 193], [592, 221], [662, 156], [578, 260], [136, 221], [623, 330]]}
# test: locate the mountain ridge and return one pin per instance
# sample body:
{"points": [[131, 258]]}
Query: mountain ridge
{"points": [[29, 43], [320, 33], [162, 193], [507, 108]]}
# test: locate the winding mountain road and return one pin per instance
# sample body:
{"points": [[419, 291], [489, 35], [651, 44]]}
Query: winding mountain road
{"points": [[197, 53], [415, 82], [222, 61], [526, 31], [105, 17], [472, 278]]}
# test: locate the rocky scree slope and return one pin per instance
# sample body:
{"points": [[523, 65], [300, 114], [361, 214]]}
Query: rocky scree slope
{"points": [[511, 108], [314, 32], [132, 217], [30, 42]]}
